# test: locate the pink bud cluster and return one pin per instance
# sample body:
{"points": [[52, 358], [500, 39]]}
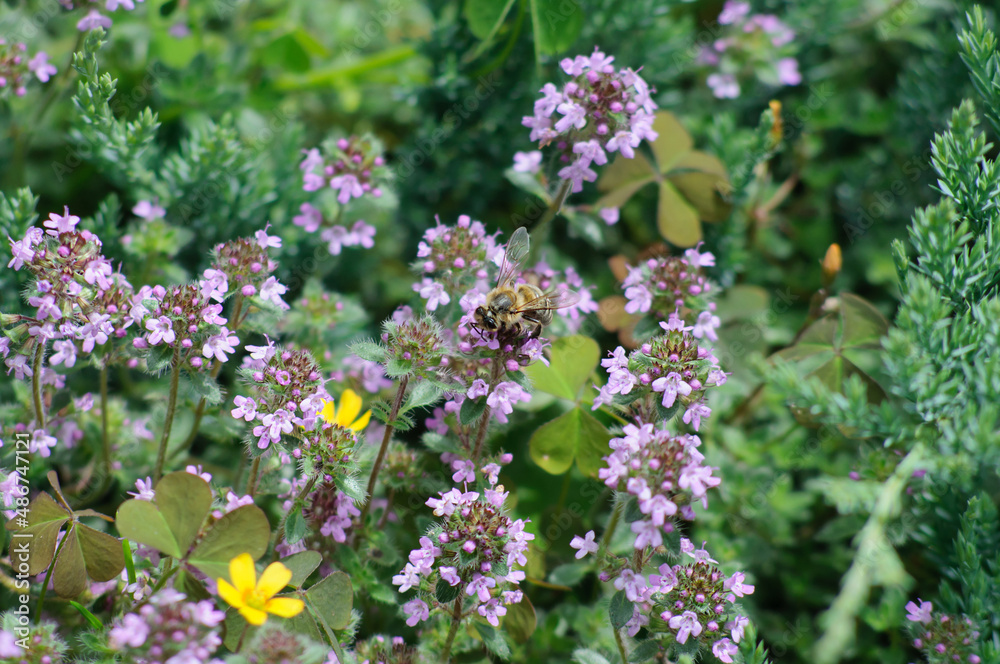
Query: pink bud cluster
{"points": [[286, 392], [665, 284], [456, 256], [169, 628], [602, 109], [942, 638], [470, 554], [243, 266], [758, 43], [669, 371], [16, 67], [690, 602]]}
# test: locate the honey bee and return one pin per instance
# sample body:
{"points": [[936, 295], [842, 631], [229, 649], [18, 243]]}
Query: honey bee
{"points": [[513, 308]]}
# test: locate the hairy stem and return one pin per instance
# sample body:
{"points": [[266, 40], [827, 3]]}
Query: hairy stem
{"points": [[295, 506], [36, 384], [254, 474], [610, 531], [496, 371], [621, 646], [105, 441], [373, 478], [456, 620], [541, 231], [175, 377], [48, 577]]}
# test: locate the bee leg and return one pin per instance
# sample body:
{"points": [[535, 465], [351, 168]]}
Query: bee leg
{"points": [[536, 332]]}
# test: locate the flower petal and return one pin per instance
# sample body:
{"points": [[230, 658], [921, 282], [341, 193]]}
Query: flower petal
{"points": [[274, 578], [243, 573], [284, 607], [253, 616], [362, 421], [328, 412], [350, 406], [229, 593]]}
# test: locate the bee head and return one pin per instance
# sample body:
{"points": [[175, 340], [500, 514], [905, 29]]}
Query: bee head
{"points": [[485, 319]]}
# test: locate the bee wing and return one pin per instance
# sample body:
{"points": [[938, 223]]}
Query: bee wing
{"points": [[514, 253], [559, 298]]}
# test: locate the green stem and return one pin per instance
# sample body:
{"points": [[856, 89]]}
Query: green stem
{"points": [[610, 531], [373, 478], [541, 231], [495, 372], [105, 441], [295, 506], [199, 413], [48, 576], [621, 646], [175, 377], [36, 384], [456, 620], [254, 474]]}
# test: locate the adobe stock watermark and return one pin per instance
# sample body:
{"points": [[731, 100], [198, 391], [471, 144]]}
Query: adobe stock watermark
{"points": [[20, 546]]}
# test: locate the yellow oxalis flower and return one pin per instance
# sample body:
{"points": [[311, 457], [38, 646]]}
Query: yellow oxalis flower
{"points": [[255, 599], [347, 415]]}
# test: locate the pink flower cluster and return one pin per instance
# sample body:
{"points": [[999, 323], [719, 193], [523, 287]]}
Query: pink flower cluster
{"points": [[601, 110], [758, 44], [287, 392], [94, 18], [474, 549], [941, 637], [672, 369], [243, 266], [695, 601], [329, 512], [662, 285], [665, 473], [169, 628], [15, 67], [456, 255]]}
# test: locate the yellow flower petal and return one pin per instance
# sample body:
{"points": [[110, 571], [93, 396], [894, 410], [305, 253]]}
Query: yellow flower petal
{"points": [[284, 607], [350, 406], [229, 593], [253, 616], [362, 421], [243, 573], [329, 412], [274, 578]]}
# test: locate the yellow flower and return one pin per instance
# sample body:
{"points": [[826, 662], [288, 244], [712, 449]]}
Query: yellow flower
{"points": [[255, 599], [347, 415]]}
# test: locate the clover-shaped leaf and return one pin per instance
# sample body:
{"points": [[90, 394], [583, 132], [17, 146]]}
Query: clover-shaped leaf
{"points": [[175, 520], [574, 435], [691, 183], [82, 552], [571, 362], [831, 349]]}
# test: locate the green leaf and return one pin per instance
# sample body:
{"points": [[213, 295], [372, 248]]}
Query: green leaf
{"points": [[69, 574], [368, 350], [486, 16], [445, 592], [620, 610], [94, 621], [644, 651], [494, 641], [584, 656], [333, 598], [576, 434], [673, 142], [572, 360], [244, 530], [424, 394], [129, 563], [295, 526], [472, 410], [677, 220], [557, 24], [206, 387], [302, 564], [44, 520], [184, 500], [102, 553], [286, 52], [350, 485], [140, 521], [521, 620]]}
